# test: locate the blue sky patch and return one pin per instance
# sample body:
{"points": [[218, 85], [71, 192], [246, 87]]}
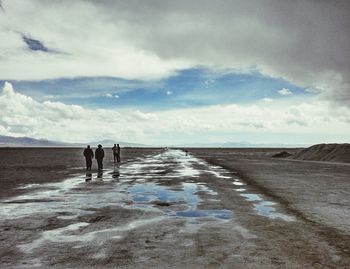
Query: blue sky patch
{"points": [[188, 88]]}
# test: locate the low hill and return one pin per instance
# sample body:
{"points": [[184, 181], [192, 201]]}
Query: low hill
{"points": [[326, 153], [241, 144], [10, 141]]}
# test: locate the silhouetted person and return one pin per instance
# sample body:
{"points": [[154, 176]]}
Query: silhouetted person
{"points": [[89, 154], [99, 155], [115, 153], [118, 153]]}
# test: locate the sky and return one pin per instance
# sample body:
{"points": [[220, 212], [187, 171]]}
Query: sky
{"points": [[161, 72]]}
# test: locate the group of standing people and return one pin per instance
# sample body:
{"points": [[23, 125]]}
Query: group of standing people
{"points": [[99, 155]]}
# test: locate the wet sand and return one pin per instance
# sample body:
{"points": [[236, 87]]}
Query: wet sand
{"points": [[163, 210]]}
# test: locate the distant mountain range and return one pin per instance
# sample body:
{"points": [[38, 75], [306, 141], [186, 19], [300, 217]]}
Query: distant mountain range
{"points": [[10, 141], [110, 142], [242, 144]]}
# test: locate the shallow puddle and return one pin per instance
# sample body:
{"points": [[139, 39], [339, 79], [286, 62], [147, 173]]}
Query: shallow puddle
{"points": [[266, 208], [262, 207], [143, 184], [216, 214], [240, 189], [133, 185], [251, 197], [155, 195]]}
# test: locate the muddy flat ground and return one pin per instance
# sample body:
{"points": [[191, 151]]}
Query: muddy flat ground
{"points": [[163, 208], [39, 165]]}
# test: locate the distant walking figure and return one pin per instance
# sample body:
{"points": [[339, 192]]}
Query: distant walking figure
{"points": [[89, 154], [99, 155], [116, 153]]}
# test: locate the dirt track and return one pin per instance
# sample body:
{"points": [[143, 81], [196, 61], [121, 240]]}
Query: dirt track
{"points": [[165, 210]]}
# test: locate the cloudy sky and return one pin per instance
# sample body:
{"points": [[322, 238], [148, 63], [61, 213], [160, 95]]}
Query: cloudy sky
{"points": [[176, 72]]}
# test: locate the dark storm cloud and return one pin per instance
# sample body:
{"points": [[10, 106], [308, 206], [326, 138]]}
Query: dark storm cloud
{"points": [[306, 42], [34, 44]]}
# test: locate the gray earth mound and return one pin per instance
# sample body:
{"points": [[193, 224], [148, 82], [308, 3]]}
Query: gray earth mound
{"points": [[282, 154], [326, 153]]}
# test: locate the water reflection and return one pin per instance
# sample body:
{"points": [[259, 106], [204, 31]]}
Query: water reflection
{"points": [[115, 173], [88, 176], [150, 194], [72, 199], [266, 208], [100, 175], [251, 197], [217, 214]]}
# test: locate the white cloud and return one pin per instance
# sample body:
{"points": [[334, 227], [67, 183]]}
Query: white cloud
{"points": [[8, 89], [169, 92], [97, 50], [285, 91], [58, 121], [23, 116], [208, 82], [109, 95], [267, 100], [293, 40], [143, 116]]}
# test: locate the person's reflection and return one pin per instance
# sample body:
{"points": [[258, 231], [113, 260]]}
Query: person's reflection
{"points": [[100, 174], [115, 173], [88, 176]]}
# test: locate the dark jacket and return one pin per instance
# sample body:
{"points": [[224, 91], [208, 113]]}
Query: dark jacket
{"points": [[88, 153], [99, 153]]}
